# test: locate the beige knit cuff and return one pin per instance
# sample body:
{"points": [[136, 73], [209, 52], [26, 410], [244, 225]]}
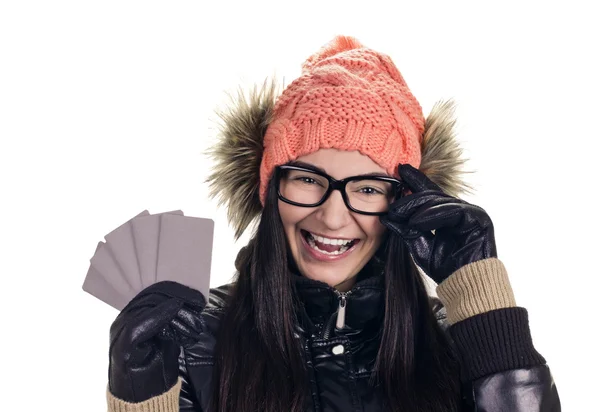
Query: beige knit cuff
{"points": [[166, 402], [476, 288]]}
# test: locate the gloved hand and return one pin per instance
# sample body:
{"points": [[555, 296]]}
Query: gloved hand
{"points": [[463, 232], [146, 339]]}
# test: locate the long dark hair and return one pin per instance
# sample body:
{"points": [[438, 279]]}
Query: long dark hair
{"points": [[259, 364], [415, 365]]}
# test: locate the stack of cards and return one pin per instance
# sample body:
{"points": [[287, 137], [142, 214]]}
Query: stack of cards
{"points": [[148, 249]]}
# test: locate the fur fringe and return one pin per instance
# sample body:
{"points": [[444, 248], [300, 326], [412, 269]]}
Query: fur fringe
{"points": [[441, 155], [235, 178], [237, 154]]}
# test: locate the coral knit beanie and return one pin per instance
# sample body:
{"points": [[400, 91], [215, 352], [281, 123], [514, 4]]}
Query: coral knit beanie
{"points": [[348, 97]]}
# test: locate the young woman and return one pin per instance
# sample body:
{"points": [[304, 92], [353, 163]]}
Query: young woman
{"points": [[353, 189]]}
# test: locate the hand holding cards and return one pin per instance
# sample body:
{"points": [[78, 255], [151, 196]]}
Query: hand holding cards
{"points": [[148, 249]]}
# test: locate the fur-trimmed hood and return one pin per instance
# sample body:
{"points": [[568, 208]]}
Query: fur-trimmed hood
{"points": [[237, 154]]}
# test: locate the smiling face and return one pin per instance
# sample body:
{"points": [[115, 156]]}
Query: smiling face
{"points": [[332, 224]]}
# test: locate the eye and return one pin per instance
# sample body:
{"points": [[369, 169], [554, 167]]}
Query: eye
{"points": [[308, 180], [370, 191], [304, 179]]}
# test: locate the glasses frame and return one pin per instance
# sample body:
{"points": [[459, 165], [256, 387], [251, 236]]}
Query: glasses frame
{"points": [[335, 184]]}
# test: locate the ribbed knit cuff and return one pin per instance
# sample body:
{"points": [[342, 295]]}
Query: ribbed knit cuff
{"points": [[495, 341], [166, 402], [476, 288]]}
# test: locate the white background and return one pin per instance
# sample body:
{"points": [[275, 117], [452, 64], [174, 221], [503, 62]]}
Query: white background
{"points": [[106, 108]]}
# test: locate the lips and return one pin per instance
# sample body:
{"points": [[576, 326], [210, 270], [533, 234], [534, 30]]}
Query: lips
{"points": [[326, 252]]}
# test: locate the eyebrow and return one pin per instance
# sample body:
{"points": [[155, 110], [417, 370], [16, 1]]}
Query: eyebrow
{"points": [[319, 169]]}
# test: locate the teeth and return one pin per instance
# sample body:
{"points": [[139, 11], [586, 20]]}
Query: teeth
{"points": [[328, 241], [312, 244]]}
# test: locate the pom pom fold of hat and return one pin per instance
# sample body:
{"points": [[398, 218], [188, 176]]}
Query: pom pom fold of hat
{"points": [[348, 97], [338, 44]]}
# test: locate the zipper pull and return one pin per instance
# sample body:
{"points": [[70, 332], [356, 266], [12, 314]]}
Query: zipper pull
{"points": [[341, 314]]}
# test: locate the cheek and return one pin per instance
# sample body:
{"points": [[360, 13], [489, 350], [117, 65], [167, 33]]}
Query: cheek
{"points": [[372, 228], [291, 216]]}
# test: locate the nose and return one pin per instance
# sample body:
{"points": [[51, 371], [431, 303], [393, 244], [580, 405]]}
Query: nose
{"points": [[333, 213]]}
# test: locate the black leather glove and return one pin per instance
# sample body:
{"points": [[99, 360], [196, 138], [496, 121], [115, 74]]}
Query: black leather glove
{"points": [[146, 339], [463, 232]]}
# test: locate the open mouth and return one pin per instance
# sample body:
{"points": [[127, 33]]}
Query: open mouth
{"points": [[331, 247]]}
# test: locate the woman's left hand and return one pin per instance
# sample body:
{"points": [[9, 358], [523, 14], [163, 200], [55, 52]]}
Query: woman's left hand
{"points": [[464, 233]]}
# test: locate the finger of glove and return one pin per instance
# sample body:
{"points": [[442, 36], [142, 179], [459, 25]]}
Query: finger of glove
{"points": [[132, 310], [445, 215], [183, 334], [399, 228], [190, 296], [149, 323], [404, 207], [179, 332], [136, 306], [143, 301], [420, 248], [187, 325], [454, 216], [420, 244], [416, 180], [176, 332]]}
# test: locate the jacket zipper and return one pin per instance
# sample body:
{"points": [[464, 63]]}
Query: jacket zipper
{"points": [[339, 316]]}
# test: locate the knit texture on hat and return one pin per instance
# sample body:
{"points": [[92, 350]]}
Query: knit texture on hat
{"points": [[348, 97]]}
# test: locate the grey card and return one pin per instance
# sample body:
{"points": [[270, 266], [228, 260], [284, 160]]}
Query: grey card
{"points": [[121, 244], [185, 251], [97, 286], [104, 262], [146, 231]]}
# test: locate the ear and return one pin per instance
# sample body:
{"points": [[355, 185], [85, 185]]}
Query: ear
{"points": [[441, 154], [235, 177]]}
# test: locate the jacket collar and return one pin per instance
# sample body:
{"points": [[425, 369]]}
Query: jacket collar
{"points": [[364, 302]]}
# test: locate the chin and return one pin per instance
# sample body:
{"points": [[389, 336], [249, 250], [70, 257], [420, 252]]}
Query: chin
{"points": [[330, 276]]}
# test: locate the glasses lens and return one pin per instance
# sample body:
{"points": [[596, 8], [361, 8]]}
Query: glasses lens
{"points": [[370, 195], [302, 187]]}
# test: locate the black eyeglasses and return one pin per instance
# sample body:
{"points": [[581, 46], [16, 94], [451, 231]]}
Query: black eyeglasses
{"points": [[364, 194]]}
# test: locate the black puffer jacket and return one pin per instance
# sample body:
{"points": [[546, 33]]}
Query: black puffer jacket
{"points": [[342, 359]]}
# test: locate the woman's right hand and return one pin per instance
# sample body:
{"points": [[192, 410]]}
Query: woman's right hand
{"points": [[146, 337]]}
